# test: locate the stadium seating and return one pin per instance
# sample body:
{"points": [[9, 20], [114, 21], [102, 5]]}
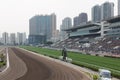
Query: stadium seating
{"points": [[106, 45]]}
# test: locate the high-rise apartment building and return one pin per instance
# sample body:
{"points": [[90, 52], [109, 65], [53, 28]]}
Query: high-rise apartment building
{"points": [[53, 25], [12, 39], [76, 21], [21, 38], [24, 38], [66, 24], [118, 7], [41, 28], [96, 13], [82, 18], [5, 38], [107, 10]]}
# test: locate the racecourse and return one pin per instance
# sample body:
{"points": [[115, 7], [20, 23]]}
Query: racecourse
{"points": [[16, 69], [92, 62], [25, 65]]}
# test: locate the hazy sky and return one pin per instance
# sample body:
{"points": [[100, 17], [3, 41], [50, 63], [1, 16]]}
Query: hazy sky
{"points": [[15, 14]]}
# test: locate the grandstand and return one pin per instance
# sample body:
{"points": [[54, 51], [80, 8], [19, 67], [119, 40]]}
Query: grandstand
{"points": [[84, 30], [114, 27], [88, 37]]}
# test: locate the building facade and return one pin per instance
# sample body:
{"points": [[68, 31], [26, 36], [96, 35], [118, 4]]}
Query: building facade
{"points": [[82, 18], [66, 24], [86, 30], [75, 21], [53, 19], [37, 39], [96, 13], [5, 38], [12, 39], [113, 29], [21, 38], [43, 26], [107, 10]]}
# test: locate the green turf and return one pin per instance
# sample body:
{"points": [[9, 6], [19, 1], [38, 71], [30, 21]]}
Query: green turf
{"points": [[92, 62]]}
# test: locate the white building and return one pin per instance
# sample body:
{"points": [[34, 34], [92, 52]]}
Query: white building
{"points": [[107, 10], [5, 38], [12, 39], [66, 24], [24, 38], [21, 38]]}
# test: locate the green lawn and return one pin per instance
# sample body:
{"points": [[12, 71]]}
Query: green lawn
{"points": [[92, 62], [2, 64]]}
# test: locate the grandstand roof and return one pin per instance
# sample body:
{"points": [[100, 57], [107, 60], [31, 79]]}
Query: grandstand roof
{"points": [[82, 26], [114, 19]]}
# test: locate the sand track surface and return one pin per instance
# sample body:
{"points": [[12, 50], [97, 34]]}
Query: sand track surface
{"points": [[40, 68], [16, 69]]}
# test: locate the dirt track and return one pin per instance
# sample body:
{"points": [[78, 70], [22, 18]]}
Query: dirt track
{"points": [[39, 68], [17, 68]]}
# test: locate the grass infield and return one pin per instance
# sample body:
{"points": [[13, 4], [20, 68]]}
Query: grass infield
{"points": [[88, 61]]}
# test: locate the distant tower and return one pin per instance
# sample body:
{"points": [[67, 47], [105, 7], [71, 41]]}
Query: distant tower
{"points": [[82, 18], [53, 25], [66, 24], [107, 10], [75, 21], [118, 7], [5, 38], [21, 38], [41, 28], [12, 39], [96, 13]]}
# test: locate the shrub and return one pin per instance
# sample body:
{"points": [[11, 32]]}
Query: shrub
{"points": [[111, 56], [95, 77], [96, 54]]}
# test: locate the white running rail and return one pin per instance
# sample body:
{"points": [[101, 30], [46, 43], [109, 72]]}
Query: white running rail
{"points": [[8, 64]]}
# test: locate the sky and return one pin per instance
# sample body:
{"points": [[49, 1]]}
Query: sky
{"points": [[15, 14]]}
